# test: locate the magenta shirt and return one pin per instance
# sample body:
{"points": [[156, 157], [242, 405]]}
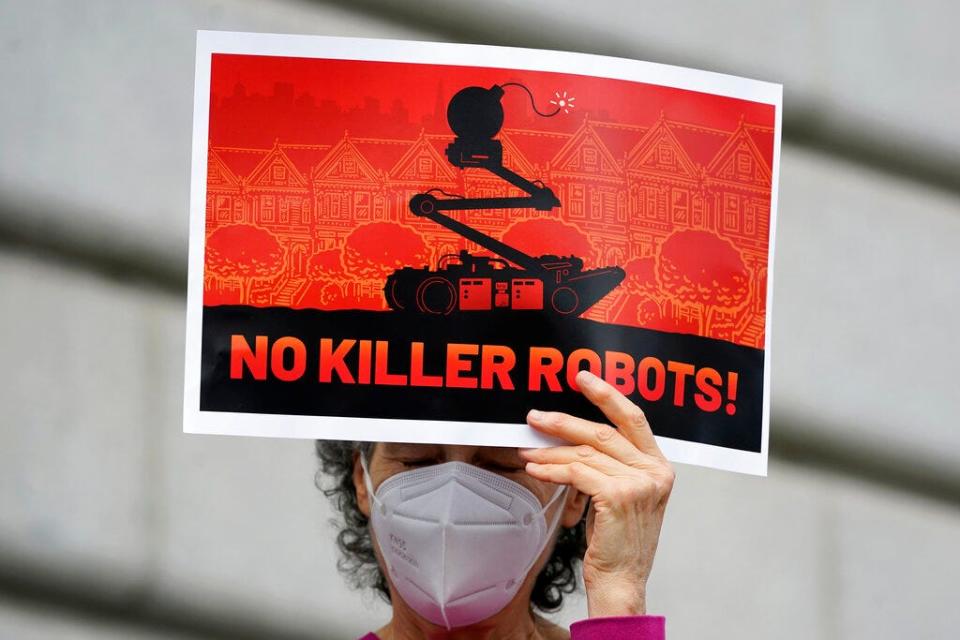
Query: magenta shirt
{"points": [[622, 628]]}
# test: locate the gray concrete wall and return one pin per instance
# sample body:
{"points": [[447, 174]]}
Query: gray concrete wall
{"points": [[114, 524]]}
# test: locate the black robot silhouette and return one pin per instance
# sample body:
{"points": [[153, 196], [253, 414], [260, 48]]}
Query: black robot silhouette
{"points": [[463, 282]]}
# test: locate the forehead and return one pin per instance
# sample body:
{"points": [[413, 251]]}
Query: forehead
{"points": [[390, 458], [451, 451]]}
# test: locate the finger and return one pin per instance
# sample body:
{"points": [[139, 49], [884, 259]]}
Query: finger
{"points": [[574, 430], [583, 453], [614, 492], [651, 469], [578, 475], [624, 414]]}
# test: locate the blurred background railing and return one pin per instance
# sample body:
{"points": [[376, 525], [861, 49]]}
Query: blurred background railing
{"points": [[115, 525]]}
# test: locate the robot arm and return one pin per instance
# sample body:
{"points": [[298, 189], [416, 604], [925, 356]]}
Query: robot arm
{"points": [[475, 115]]}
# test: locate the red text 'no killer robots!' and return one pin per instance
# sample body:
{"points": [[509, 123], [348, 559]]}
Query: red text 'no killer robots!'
{"points": [[475, 366]]}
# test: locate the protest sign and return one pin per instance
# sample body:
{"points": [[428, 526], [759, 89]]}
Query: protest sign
{"points": [[418, 242]]}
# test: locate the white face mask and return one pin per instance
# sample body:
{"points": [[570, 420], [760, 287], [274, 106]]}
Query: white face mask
{"points": [[458, 541]]}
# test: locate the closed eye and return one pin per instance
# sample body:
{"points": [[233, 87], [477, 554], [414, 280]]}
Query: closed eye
{"points": [[502, 468], [418, 462]]}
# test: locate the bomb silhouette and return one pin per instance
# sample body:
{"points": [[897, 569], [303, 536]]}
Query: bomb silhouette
{"points": [[514, 281], [475, 114]]}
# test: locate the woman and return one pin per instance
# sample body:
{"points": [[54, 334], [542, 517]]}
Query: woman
{"points": [[467, 542]]}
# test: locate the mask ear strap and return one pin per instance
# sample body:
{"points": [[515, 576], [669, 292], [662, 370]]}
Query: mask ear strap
{"points": [[561, 490], [555, 518], [551, 526], [367, 480]]}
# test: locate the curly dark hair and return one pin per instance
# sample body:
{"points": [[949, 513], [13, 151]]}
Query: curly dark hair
{"points": [[359, 562]]}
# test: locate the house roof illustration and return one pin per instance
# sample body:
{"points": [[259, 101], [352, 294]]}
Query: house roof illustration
{"points": [[689, 150], [264, 175], [241, 162], [346, 162], [423, 148], [740, 159], [219, 174], [661, 151], [572, 156]]}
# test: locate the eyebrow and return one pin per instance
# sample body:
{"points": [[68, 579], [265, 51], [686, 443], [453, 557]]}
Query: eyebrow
{"points": [[401, 448], [506, 453]]}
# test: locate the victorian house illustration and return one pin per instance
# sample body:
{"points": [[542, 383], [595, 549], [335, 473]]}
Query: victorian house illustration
{"points": [[626, 187]]}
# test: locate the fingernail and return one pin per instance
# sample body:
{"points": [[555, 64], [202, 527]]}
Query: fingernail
{"points": [[535, 415], [587, 378], [528, 452]]}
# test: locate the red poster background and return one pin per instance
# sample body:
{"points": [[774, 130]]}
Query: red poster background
{"points": [[312, 164]]}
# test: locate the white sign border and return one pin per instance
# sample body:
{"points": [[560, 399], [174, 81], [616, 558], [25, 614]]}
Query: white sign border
{"points": [[474, 433]]}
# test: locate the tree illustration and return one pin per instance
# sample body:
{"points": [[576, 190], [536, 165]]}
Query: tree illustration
{"points": [[375, 250], [326, 265], [700, 268], [326, 269], [244, 253], [641, 278], [539, 236], [646, 295]]}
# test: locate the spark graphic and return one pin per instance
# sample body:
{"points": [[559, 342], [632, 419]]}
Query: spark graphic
{"points": [[563, 101]]}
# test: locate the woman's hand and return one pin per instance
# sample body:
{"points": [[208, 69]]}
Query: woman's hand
{"points": [[628, 481]]}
